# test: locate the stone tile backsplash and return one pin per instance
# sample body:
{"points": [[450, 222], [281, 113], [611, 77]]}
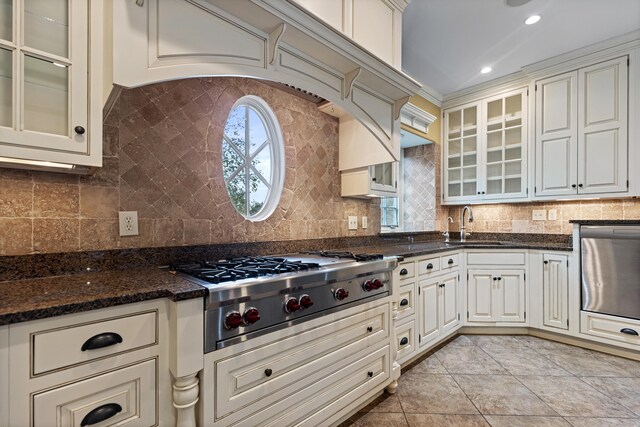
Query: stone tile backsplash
{"points": [[162, 150]]}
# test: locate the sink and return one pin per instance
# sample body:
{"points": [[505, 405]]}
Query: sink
{"points": [[480, 243]]}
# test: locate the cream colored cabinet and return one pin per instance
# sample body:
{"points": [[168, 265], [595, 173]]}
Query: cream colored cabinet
{"points": [[581, 131], [438, 307], [373, 181], [485, 149], [496, 295], [45, 86], [107, 366], [555, 290]]}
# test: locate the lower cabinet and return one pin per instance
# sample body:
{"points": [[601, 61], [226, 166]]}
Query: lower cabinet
{"points": [[438, 307], [555, 291], [496, 295], [623, 331]]}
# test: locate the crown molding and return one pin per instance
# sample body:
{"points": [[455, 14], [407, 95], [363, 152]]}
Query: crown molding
{"points": [[489, 88], [431, 95]]}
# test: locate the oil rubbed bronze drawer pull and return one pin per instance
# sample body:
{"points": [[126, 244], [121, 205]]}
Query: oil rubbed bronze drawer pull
{"points": [[100, 414], [629, 331], [404, 272], [404, 341], [102, 340], [429, 266]]}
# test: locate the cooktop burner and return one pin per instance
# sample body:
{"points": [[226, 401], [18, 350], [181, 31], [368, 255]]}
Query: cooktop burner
{"points": [[344, 254], [243, 268]]}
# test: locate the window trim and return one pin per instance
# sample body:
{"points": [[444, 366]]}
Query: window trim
{"points": [[276, 146]]}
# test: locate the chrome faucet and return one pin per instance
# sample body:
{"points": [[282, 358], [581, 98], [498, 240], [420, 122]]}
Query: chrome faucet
{"points": [[446, 232], [463, 233]]}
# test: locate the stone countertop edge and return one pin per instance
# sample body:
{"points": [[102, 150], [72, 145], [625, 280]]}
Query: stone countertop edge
{"points": [[605, 221], [32, 299], [39, 298]]}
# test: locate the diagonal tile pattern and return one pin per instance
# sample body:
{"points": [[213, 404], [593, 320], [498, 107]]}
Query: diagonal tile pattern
{"points": [[483, 380]]}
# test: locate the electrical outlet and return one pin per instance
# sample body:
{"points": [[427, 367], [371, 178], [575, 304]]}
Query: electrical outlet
{"points": [[128, 223], [539, 215], [365, 222], [353, 223], [553, 215]]}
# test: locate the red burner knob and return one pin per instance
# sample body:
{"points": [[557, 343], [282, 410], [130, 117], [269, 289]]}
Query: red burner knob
{"points": [[251, 316], [367, 286], [306, 301], [376, 284], [291, 305], [341, 294], [233, 320]]}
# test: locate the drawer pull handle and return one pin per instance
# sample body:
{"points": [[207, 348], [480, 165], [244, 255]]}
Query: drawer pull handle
{"points": [[268, 372], [429, 266], [404, 272], [370, 373], [404, 302], [369, 328], [101, 340], [404, 341], [450, 261], [629, 331], [100, 414]]}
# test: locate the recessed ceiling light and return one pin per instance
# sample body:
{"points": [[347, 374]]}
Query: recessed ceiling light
{"points": [[532, 19], [485, 70]]}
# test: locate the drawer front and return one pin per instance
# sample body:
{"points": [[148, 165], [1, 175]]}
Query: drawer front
{"points": [[450, 262], [610, 327], [73, 345], [290, 364], [429, 266], [405, 335], [126, 396], [407, 270], [496, 258], [406, 302]]}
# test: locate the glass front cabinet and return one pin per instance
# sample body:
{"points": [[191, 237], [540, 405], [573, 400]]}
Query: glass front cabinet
{"points": [[484, 154], [44, 83]]}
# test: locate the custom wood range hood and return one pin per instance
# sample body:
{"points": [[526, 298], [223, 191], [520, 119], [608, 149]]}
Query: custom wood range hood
{"points": [[266, 39]]}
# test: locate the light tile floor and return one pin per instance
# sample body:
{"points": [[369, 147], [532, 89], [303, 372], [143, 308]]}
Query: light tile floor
{"points": [[510, 381]]}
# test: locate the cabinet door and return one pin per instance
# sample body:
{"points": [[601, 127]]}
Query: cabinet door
{"points": [[504, 131], [556, 135], [602, 128], [43, 77], [509, 296], [428, 309], [384, 177], [479, 296], [461, 159], [449, 308], [555, 291]]}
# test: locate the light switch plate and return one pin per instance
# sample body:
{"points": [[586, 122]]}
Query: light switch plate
{"points": [[128, 223], [353, 222], [553, 215], [539, 215], [365, 222]]}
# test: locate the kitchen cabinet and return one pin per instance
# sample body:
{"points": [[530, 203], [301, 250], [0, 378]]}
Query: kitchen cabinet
{"points": [[311, 374], [495, 295], [438, 307], [610, 329], [485, 149], [555, 290], [373, 181], [581, 131], [50, 85], [61, 371]]}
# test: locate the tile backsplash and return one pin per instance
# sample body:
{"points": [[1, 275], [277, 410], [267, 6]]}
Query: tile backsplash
{"points": [[162, 151]]}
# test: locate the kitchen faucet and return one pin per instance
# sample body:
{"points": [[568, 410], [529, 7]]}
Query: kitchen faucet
{"points": [[463, 233], [446, 232]]}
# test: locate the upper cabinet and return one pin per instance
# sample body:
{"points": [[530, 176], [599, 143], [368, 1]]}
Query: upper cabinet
{"points": [[581, 131], [485, 149], [46, 119], [355, 19]]}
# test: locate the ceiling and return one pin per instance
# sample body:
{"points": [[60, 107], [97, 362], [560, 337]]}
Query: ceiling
{"points": [[447, 42]]}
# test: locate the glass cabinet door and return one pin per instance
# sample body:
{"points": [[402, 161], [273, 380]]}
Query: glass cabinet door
{"points": [[504, 133], [383, 177], [461, 152], [43, 74]]}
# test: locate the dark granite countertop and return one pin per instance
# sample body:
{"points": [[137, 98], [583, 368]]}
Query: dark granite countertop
{"points": [[26, 299], [32, 299], [605, 221]]}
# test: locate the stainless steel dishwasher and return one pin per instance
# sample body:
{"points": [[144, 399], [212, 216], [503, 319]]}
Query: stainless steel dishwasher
{"points": [[610, 266]]}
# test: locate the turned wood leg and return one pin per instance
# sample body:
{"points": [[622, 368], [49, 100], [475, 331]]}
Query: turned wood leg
{"points": [[393, 387], [186, 392]]}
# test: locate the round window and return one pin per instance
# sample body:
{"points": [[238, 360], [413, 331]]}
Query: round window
{"points": [[253, 158]]}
